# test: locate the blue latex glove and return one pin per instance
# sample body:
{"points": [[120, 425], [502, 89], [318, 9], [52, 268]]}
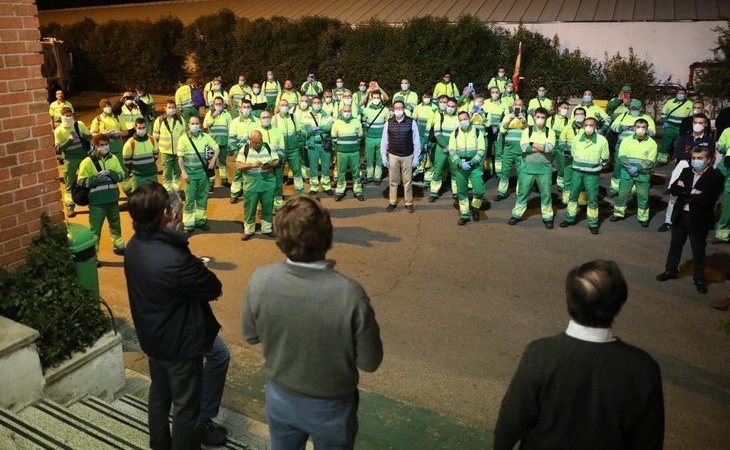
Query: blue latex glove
{"points": [[633, 171], [465, 165]]}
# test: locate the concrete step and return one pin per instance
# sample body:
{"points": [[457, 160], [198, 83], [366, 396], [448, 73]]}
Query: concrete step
{"points": [[241, 429], [103, 415], [15, 434], [73, 431]]}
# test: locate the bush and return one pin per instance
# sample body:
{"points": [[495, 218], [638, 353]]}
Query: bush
{"points": [[714, 80], [421, 49], [45, 295]]}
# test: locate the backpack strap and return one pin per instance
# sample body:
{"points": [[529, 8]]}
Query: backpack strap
{"points": [[247, 146]]}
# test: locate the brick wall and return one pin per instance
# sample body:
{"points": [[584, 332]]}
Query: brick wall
{"points": [[28, 168]]}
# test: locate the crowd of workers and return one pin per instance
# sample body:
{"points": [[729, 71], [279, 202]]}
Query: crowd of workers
{"points": [[262, 136]]}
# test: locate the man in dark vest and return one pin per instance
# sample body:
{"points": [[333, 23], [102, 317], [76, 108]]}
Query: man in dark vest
{"points": [[584, 388], [400, 148]]}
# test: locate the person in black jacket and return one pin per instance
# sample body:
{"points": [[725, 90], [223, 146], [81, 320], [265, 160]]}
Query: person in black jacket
{"points": [[169, 293], [584, 388], [697, 190]]}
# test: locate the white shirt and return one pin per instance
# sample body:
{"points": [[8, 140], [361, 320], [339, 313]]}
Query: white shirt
{"points": [[319, 265], [589, 334]]}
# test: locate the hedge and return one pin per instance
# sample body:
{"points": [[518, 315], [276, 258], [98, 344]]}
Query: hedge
{"points": [[118, 54]]}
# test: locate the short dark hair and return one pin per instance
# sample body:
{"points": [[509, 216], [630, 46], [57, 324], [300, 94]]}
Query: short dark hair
{"points": [[595, 293], [303, 230], [147, 207], [579, 108], [139, 121], [701, 116], [641, 122], [398, 102], [563, 102], [541, 110], [700, 149]]}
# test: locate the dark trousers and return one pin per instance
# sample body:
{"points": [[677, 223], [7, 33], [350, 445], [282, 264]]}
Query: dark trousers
{"points": [[292, 418], [681, 230], [214, 379], [177, 384]]}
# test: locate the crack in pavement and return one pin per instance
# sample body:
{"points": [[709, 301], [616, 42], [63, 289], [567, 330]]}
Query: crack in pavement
{"points": [[411, 261]]}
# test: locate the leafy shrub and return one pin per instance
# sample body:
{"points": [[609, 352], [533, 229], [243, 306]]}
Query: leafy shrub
{"points": [[45, 295]]}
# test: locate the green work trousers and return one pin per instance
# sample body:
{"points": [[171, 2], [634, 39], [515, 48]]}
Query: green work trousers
{"points": [[373, 159], [463, 178], [525, 181], [70, 173], [723, 225], [669, 136], [348, 161], [588, 182], [317, 157], [170, 172], [252, 200], [441, 162], [110, 212], [510, 158], [196, 200], [626, 184]]}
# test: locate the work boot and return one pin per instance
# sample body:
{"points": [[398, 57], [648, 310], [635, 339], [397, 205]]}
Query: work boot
{"points": [[644, 223], [565, 224], [615, 218], [462, 221], [475, 214], [360, 197], [119, 251], [664, 276], [270, 234], [664, 227], [594, 230], [548, 224], [390, 208], [513, 221], [409, 208], [339, 197]]}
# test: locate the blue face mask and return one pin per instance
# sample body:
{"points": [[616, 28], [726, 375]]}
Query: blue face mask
{"points": [[194, 128], [587, 99], [681, 97], [698, 164]]}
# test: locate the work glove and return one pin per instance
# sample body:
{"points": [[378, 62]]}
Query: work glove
{"points": [[465, 165], [103, 175], [633, 171]]}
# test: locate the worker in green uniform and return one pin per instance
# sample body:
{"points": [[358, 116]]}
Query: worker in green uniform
{"points": [[100, 172], [167, 130], [589, 151], [311, 87], [443, 123], [257, 161], [623, 126], [407, 96], [500, 81], [373, 118], [238, 133], [619, 104], [217, 122], [423, 114], [140, 155], [595, 111], [142, 95], [637, 158], [446, 87], [339, 89], [557, 122], [346, 135], [72, 140], [293, 141], [509, 95], [236, 93], [361, 92], [271, 89], [537, 143], [216, 90], [184, 100], [274, 138], [328, 103], [541, 101], [196, 152], [258, 100], [349, 100], [289, 94], [673, 112], [108, 123], [316, 126], [514, 122], [466, 151], [54, 109], [299, 110], [722, 232], [495, 109], [209, 87]]}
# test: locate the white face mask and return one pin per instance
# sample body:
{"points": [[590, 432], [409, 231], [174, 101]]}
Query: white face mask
{"points": [[398, 113], [509, 89], [442, 106], [635, 112], [316, 106], [219, 108], [269, 77], [539, 120], [640, 132], [500, 74], [450, 109], [216, 87], [67, 121], [339, 85], [245, 112], [426, 101], [563, 111], [376, 101], [464, 124], [285, 109], [142, 132], [495, 96], [303, 105], [242, 83], [696, 111], [129, 103], [171, 111], [347, 115], [266, 122], [580, 118], [404, 86], [589, 130], [104, 149], [363, 88], [347, 101], [698, 127], [195, 128], [256, 91], [107, 110]]}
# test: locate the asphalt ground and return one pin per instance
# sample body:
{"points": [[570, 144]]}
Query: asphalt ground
{"points": [[458, 305]]}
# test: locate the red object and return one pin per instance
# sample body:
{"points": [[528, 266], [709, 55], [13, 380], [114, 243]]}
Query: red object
{"points": [[516, 73]]}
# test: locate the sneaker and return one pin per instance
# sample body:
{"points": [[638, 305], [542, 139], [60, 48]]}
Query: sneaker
{"points": [[203, 227], [119, 251], [644, 223], [212, 434], [513, 220], [329, 191], [234, 200], [664, 276], [409, 208], [500, 197], [71, 213], [390, 208], [701, 286], [565, 224], [549, 225], [594, 230], [475, 214], [246, 236], [360, 197], [270, 234], [339, 197], [432, 199], [664, 227], [615, 218], [462, 221]]}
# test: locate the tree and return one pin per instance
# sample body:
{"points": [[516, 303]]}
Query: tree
{"points": [[714, 79]]}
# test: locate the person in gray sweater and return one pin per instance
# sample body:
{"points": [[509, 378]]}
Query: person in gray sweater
{"points": [[317, 329]]}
